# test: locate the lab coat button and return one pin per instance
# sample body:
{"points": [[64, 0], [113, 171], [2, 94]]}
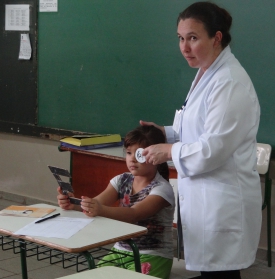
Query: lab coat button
{"points": [[181, 198], [184, 227]]}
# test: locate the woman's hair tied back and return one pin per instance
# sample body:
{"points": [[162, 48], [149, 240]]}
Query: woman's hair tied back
{"points": [[213, 17]]}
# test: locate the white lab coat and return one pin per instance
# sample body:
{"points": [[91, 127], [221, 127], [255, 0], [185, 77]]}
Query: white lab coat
{"points": [[218, 183]]}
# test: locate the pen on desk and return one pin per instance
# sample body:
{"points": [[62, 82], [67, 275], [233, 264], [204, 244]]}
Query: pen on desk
{"points": [[50, 217]]}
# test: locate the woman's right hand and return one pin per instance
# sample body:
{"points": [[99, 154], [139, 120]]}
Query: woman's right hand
{"points": [[63, 200], [145, 123]]}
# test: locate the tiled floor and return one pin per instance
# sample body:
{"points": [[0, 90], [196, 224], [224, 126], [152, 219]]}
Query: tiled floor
{"points": [[10, 267]]}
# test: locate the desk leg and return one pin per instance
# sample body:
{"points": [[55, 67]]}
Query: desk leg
{"points": [[23, 256], [136, 254], [90, 259]]}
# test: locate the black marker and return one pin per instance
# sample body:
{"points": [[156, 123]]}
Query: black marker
{"points": [[50, 217]]}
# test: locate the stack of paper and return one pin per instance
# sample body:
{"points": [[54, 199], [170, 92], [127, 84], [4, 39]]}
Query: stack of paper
{"points": [[60, 227]]}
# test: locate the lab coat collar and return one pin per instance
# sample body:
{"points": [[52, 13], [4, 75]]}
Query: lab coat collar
{"points": [[220, 60]]}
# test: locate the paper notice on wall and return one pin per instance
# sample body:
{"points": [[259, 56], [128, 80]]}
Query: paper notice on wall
{"points": [[25, 51], [48, 6], [17, 17]]}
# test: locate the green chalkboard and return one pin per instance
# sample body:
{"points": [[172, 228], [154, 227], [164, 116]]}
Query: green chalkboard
{"points": [[104, 65]]}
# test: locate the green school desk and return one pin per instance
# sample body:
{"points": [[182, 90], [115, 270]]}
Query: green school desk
{"points": [[100, 232]]}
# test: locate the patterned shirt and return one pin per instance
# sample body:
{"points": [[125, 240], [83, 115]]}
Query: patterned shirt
{"points": [[159, 239]]}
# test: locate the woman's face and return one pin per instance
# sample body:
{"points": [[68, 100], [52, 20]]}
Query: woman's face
{"points": [[198, 49]]}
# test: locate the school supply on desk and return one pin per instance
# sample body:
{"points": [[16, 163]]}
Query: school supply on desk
{"points": [[26, 211], [91, 147], [62, 227], [83, 140], [47, 218], [75, 201], [65, 186]]}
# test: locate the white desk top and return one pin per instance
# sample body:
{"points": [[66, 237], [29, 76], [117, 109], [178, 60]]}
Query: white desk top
{"points": [[100, 232], [108, 272]]}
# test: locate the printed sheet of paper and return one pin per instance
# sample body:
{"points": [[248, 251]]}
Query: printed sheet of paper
{"points": [[25, 51], [48, 6], [26, 211], [17, 18], [60, 227]]}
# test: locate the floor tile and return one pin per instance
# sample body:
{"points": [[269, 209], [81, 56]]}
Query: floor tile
{"points": [[17, 276], [49, 272], [4, 273], [8, 254]]}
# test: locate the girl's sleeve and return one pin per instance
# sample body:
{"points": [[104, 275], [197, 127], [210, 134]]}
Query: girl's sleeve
{"points": [[115, 182], [166, 191]]}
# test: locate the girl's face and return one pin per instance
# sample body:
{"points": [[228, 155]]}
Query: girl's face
{"points": [[198, 49], [136, 168]]}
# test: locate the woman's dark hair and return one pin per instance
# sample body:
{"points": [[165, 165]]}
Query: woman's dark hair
{"points": [[213, 18], [145, 136]]}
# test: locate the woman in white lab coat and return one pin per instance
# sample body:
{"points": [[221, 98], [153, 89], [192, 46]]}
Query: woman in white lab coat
{"points": [[213, 146]]}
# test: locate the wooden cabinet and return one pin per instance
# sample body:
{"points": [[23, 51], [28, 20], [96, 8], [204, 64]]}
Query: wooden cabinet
{"points": [[92, 170]]}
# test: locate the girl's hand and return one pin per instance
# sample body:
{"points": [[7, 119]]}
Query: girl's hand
{"points": [[63, 200], [145, 123], [91, 207]]}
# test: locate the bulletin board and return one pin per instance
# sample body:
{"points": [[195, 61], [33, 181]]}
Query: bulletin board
{"points": [[18, 78]]}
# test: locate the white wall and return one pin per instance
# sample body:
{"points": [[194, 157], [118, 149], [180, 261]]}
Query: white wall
{"points": [[24, 166], [24, 172]]}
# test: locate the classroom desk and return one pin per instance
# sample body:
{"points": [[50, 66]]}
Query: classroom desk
{"points": [[92, 170], [108, 272], [101, 231]]}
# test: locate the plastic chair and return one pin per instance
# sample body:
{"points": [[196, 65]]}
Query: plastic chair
{"points": [[263, 161], [174, 183]]}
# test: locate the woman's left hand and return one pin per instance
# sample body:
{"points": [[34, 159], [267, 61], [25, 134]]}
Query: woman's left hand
{"points": [[158, 153], [91, 207]]}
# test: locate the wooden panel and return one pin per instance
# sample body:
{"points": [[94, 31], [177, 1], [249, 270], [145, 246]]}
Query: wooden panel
{"points": [[173, 173], [91, 172]]}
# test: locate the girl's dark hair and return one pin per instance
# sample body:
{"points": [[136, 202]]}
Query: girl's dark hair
{"points": [[213, 18], [145, 136]]}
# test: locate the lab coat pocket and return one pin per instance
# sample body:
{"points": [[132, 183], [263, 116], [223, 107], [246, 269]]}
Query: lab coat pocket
{"points": [[223, 207]]}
